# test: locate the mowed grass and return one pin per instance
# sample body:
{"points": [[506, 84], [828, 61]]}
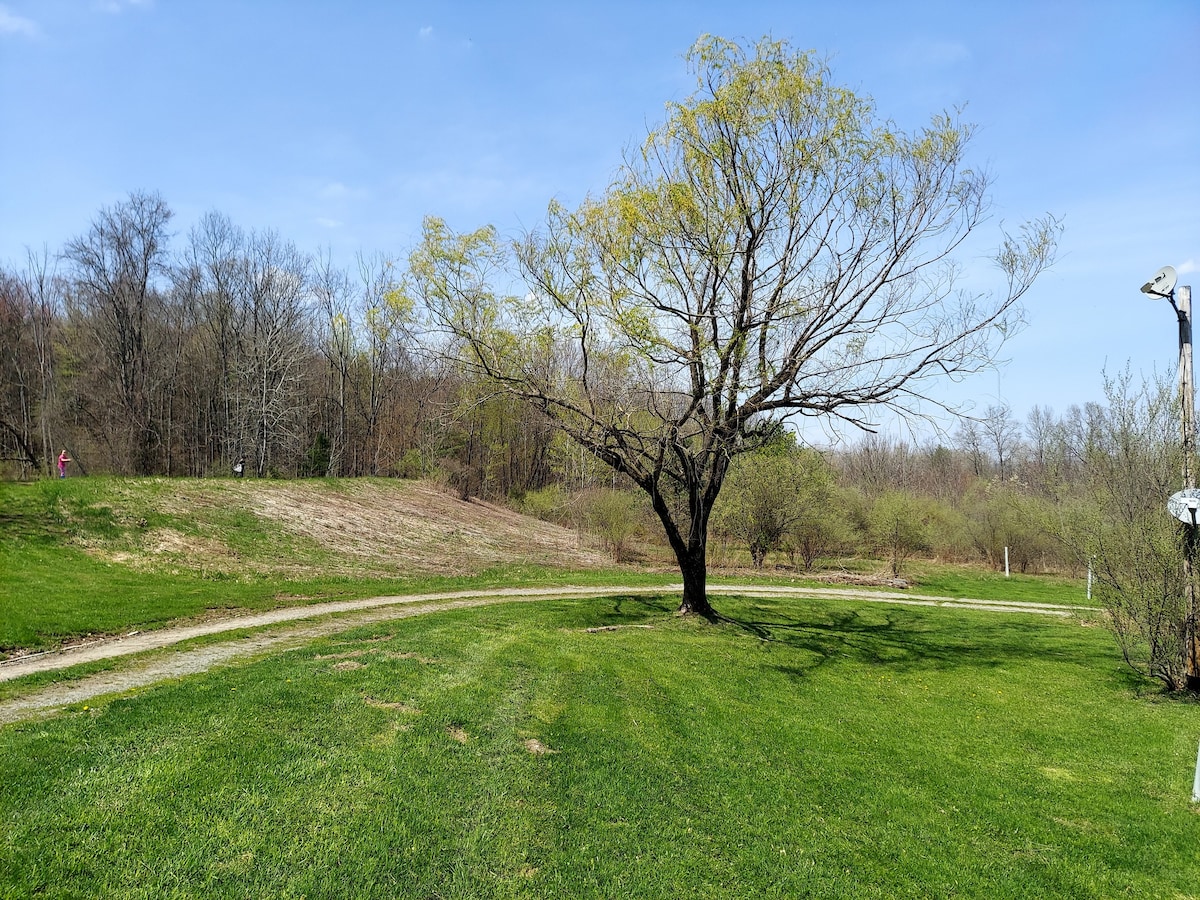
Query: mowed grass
{"points": [[983, 584], [929, 578], [803, 749]]}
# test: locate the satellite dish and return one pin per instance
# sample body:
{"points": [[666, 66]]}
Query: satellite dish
{"points": [[1162, 284], [1185, 505]]}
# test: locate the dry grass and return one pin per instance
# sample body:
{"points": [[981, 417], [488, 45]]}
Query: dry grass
{"points": [[356, 528]]}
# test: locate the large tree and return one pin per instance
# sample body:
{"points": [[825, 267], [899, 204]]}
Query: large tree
{"points": [[212, 280], [773, 249], [279, 310]]}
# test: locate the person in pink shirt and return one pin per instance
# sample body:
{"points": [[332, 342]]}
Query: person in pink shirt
{"points": [[63, 459]]}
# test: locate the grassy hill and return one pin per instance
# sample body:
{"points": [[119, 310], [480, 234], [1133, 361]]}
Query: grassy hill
{"points": [[88, 555]]}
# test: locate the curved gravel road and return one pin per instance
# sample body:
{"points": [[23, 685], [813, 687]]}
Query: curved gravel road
{"points": [[294, 626]]}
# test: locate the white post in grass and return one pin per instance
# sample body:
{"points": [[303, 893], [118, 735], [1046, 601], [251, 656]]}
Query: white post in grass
{"points": [[1196, 782], [1005, 562]]}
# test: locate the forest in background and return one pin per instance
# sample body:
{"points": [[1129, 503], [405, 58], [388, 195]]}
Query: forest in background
{"points": [[146, 353]]}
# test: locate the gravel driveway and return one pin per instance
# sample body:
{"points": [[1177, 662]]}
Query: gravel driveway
{"points": [[293, 626]]}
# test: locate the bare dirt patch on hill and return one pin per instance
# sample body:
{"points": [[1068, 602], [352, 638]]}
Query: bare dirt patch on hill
{"points": [[356, 528], [420, 526]]}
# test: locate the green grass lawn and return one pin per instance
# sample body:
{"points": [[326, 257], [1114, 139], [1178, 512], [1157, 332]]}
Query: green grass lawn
{"points": [[807, 750], [984, 584], [51, 595], [941, 580]]}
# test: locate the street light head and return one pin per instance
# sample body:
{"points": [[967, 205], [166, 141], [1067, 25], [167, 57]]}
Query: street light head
{"points": [[1162, 284], [1184, 504]]}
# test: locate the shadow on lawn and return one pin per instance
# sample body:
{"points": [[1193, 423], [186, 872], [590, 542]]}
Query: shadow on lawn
{"points": [[937, 640]]}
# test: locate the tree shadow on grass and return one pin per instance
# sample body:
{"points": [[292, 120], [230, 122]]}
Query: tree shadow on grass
{"points": [[611, 610], [907, 640]]}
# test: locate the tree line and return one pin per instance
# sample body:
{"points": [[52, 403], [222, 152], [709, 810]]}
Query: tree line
{"points": [[954, 499], [145, 356], [148, 356]]}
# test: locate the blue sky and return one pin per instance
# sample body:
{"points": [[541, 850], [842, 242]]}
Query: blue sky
{"points": [[342, 124]]}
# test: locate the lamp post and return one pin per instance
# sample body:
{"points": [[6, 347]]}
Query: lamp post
{"points": [[1162, 286]]}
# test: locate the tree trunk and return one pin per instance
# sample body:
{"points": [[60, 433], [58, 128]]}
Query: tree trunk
{"points": [[694, 568], [22, 444], [691, 552]]}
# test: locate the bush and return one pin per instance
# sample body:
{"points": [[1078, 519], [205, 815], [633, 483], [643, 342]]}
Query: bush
{"points": [[900, 527], [410, 465], [550, 504], [615, 516]]}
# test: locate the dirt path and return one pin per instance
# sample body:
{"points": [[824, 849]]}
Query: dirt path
{"points": [[293, 626]]}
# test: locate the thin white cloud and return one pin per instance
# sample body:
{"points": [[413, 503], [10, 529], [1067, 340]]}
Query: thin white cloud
{"points": [[11, 23], [116, 7], [1188, 267], [426, 33], [328, 223]]}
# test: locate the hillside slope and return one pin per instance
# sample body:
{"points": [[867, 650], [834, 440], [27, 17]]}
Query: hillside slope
{"points": [[297, 529], [87, 557]]}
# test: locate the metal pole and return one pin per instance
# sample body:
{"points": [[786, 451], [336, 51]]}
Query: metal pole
{"points": [[1183, 304], [1183, 307]]}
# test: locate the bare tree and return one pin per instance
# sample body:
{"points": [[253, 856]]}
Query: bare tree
{"points": [[334, 294], [1040, 430], [878, 463], [943, 474], [17, 373], [389, 380], [277, 276], [213, 275], [969, 438], [1003, 435], [44, 291], [114, 267], [770, 251]]}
